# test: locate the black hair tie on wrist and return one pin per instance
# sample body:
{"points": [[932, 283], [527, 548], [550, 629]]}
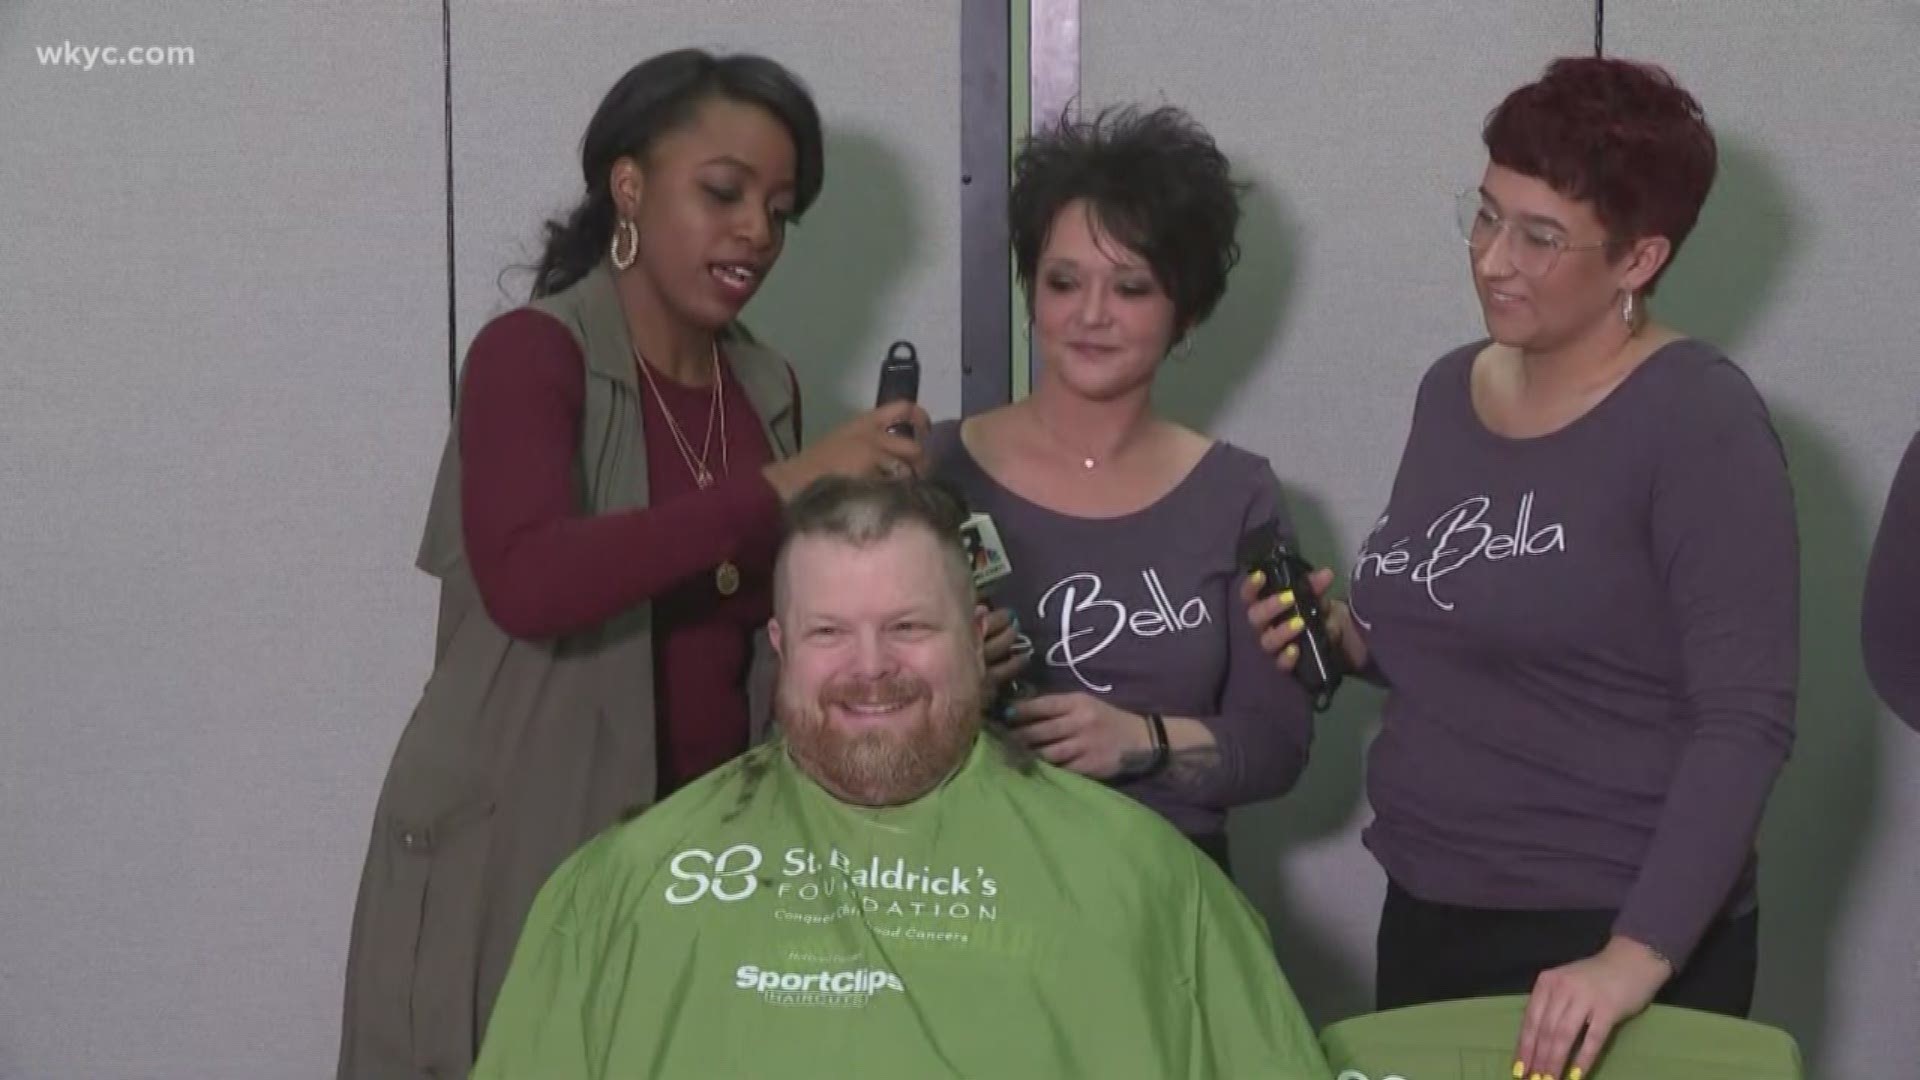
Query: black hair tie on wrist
{"points": [[1162, 751]]}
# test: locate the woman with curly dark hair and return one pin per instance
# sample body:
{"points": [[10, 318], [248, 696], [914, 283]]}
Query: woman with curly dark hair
{"points": [[1582, 598], [1121, 525]]}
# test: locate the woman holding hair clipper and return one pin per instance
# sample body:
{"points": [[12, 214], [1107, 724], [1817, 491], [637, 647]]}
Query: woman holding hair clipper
{"points": [[603, 529], [1581, 598], [1121, 526]]}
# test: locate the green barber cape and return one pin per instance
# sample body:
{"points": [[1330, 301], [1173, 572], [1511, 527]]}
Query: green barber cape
{"points": [[1474, 1040], [1019, 921]]}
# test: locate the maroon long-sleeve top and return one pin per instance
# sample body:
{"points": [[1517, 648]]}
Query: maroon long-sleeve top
{"points": [[545, 568]]}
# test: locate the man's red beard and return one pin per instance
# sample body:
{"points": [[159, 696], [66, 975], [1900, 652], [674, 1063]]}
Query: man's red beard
{"points": [[883, 765]]}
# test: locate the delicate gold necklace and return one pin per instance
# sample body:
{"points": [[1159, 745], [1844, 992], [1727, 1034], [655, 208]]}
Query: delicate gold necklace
{"points": [[702, 475], [726, 576], [1087, 461]]}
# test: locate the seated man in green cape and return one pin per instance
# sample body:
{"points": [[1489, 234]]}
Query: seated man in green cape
{"points": [[886, 889]]}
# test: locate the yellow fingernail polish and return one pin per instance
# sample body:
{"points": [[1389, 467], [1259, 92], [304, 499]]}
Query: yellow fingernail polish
{"points": [[1519, 1070], [1292, 651], [1298, 623], [1575, 1073], [1259, 578], [1287, 597]]}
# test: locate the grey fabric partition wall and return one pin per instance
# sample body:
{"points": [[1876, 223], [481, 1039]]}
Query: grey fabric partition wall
{"points": [[1804, 268], [1356, 123], [223, 387]]}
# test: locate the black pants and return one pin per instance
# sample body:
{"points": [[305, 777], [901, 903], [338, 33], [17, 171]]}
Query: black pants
{"points": [[1440, 952]]}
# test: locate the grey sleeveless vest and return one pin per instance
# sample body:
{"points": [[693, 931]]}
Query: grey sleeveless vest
{"points": [[518, 751]]}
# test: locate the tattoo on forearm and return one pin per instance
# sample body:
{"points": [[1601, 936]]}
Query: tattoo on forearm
{"points": [[1187, 765]]}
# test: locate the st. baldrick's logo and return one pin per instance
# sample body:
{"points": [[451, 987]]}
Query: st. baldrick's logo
{"points": [[888, 887]]}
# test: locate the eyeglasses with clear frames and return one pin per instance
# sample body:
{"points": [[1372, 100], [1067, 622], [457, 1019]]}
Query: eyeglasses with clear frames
{"points": [[1533, 248]]}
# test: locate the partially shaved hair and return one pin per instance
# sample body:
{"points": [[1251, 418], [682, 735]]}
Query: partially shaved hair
{"points": [[865, 511]]}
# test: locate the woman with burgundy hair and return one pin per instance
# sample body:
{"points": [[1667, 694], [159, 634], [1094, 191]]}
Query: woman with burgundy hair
{"points": [[1581, 598]]}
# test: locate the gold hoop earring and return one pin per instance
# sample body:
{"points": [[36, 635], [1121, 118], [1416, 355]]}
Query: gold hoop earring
{"points": [[630, 233]]}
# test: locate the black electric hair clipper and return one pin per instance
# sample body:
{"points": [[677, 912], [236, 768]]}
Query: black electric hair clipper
{"points": [[1270, 551], [899, 381]]}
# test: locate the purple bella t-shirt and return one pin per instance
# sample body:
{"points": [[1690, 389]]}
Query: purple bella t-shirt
{"points": [[1143, 611], [1591, 643], [1890, 607]]}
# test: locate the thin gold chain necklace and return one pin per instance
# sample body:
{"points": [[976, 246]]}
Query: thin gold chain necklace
{"points": [[716, 417], [726, 576]]}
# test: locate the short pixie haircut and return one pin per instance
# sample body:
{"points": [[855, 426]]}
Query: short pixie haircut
{"points": [[1153, 181], [1617, 134]]}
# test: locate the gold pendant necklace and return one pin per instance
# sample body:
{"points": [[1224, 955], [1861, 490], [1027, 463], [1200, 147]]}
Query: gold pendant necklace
{"points": [[726, 576], [702, 475], [1087, 461]]}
